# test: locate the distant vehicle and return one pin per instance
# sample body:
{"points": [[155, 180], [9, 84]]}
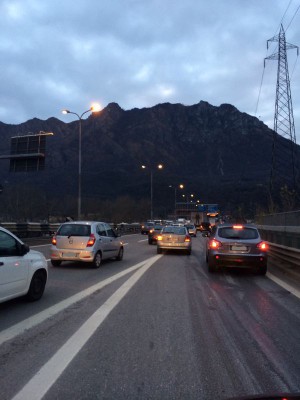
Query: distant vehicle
{"points": [[145, 228], [153, 233], [232, 245], [85, 241], [174, 238], [205, 226], [22, 271], [192, 230]]}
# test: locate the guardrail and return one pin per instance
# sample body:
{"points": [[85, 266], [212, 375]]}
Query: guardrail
{"points": [[35, 229], [286, 254]]}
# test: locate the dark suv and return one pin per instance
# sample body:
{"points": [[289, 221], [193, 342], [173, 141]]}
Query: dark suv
{"points": [[145, 228], [235, 245]]}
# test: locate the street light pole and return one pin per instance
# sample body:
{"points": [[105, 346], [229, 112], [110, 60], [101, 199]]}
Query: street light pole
{"points": [[94, 108], [159, 166]]}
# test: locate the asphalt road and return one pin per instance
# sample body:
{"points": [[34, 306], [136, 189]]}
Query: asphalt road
{"points": [[151, 327]]}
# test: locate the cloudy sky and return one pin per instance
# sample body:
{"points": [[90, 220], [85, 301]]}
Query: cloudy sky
{"points": [[59, 54]]}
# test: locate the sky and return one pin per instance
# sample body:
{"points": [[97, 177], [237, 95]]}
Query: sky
{"points": [[57, 54]]}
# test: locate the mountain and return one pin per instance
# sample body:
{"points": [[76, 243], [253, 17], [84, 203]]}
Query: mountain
{"points": [[220, 154]]}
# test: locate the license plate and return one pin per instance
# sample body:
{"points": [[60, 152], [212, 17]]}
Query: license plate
{"points": [[239, 248], [70, 255]]}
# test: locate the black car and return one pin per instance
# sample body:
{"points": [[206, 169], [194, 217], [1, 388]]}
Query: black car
{"points": [[145, 228], [153, 233]]}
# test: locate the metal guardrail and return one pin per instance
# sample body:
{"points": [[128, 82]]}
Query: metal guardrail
{"points": [[286, 254], [35, 229]]}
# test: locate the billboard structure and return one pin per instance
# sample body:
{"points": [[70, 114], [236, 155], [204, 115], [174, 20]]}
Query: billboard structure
{"points": [[27, 153]]}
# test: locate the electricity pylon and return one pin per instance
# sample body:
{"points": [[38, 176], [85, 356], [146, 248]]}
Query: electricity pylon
{"points": [[283, 118]]}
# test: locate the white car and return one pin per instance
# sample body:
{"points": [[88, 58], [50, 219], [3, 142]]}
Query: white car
{"points": [[22, 271]]}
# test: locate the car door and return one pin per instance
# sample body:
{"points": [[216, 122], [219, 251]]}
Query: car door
{"points": [[104, 240], [13, 267], [114, 242]]}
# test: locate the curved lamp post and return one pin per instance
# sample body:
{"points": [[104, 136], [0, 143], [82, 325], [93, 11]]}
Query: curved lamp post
{"points": [[159, 166], [94, 108]]}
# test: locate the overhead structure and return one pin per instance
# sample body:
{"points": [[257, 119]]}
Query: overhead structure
{"points": [[283, 118]]}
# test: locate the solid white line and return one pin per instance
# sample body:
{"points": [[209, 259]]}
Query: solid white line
{"points": [[143, 240], [283, 284], [39, 385], [40, 245], [36, 319]]}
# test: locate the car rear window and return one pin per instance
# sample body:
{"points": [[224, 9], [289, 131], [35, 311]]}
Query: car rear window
{"points": [[177, 230], [242, 233], [74, 230]]}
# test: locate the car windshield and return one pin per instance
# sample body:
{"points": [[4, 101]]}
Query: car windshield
{"points": [[74, 230], [158, 227], [238, 233]]}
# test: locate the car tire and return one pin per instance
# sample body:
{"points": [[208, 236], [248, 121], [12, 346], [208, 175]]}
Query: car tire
{"points": [[37, 286], [159, 251], [149, 241], [120, 254], [189, 252], [97, 260], [55, 263], [262, 270]]}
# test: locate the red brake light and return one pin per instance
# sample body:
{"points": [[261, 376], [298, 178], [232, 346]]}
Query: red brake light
{"points": [[91, 240], [54, 241], [214, 244], [151, 231], [263, 246], [187, 238], [238, 227]]}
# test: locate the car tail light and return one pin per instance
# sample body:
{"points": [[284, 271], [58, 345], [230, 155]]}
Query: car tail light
{"points": [[187, 238], [151, 231], [91, 241], [238, 227], [263, 246], [159, 237], [214, 244], [54, 241]]}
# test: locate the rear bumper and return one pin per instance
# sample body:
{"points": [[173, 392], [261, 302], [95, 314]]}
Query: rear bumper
{"points": [[174, 246], [229, 260], [65, 255]]}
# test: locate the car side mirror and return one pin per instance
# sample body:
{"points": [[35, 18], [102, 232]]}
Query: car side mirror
{"points": [[24, 249]]}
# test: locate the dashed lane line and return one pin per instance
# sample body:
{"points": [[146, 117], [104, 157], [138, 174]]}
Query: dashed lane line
{"points": [[42, 381], [36, 319]]}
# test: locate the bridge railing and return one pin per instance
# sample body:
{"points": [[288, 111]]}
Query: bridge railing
{"points": [[282, 232]]}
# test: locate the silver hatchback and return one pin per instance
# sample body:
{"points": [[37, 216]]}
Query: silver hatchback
{"points": [[85, 241]]}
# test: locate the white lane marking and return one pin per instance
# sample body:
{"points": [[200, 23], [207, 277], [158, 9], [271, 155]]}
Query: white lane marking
{"points": [[39, 385], [283, 284], [125, 244], [40, 245], [143, 240], [36, 319]]}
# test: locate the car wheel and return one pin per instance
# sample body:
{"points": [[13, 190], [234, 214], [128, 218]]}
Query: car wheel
{"points": [[189, 252], [211, 266], [97, 260], [149, 241], [37, 286], [159, 251], [55, 263], [120, 254], [262, 270]]}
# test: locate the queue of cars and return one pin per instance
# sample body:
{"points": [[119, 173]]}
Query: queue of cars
{"points": [[24, 272]]}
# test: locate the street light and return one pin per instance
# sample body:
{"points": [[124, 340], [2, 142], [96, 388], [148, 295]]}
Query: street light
{"points": [[181, 186], [94, 108], [159, 166]]}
